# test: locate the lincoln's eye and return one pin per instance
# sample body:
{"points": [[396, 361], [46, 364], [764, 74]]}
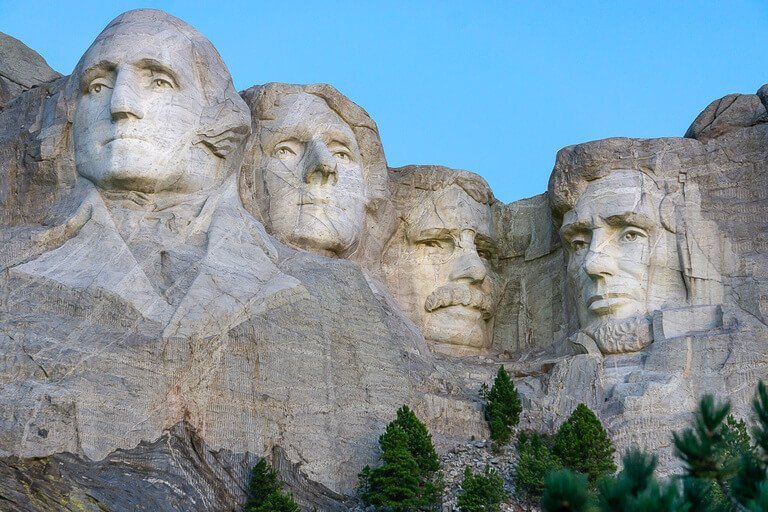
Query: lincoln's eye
{"points": [[578, 245], [632, 235]]}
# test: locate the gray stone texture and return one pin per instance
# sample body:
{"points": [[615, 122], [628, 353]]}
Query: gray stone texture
{"points": [[165, 320]]}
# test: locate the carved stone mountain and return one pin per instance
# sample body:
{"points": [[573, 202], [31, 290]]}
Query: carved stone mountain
{"points": [[195, 278]]}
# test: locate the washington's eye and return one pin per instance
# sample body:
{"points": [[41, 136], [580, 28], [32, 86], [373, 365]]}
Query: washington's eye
{"points": [[97, 86], [162, 83]]}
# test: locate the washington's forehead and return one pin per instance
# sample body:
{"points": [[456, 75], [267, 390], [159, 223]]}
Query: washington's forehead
{"points": [[452, 209], [166, 45]]}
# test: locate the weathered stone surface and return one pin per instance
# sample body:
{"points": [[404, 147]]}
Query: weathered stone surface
{"points": [[21, 69], [193, 279]]}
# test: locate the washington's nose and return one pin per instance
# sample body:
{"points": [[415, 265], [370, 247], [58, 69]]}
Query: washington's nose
{"points": [[469, 266], [320, 166], [126, 99]]}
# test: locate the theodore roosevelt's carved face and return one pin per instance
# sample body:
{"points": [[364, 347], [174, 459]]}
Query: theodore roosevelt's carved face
{"points": [[440, 268], [139, 109], [312, 173], [621, 260]]}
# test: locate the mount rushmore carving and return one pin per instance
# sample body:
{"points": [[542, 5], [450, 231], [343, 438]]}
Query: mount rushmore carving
{"points": [[245, 271]]}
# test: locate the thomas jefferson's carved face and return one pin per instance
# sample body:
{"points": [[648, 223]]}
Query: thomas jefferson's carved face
{"points": [[621, 260], [139, 111], [441, 269], [312, 172]]}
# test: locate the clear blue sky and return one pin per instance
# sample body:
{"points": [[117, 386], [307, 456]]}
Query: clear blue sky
{"points": [[492, 87]]}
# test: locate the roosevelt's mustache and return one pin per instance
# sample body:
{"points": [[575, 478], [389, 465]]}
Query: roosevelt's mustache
{"points": [[460, 295]]}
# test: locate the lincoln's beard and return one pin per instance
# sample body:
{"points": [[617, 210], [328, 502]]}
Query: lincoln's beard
{"points": [[621, 336]]}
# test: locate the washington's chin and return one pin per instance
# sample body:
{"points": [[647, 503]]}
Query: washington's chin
{"points": [[461, 327]]}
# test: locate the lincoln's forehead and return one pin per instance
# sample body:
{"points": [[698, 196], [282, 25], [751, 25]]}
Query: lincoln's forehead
{"points": [[617, 194], [452, 209]]}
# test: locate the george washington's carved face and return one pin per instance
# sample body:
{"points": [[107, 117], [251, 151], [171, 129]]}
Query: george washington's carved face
{"points": [[139, 109], [312, 172], [440, 268], [622, 262]]}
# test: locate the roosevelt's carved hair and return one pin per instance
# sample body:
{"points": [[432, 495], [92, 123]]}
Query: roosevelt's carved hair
{"points": [[411, 183]]}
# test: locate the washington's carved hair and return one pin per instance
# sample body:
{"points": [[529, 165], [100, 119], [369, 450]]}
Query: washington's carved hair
{"points": [[225, 122]]}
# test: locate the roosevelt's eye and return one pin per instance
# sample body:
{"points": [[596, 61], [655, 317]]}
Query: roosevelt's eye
{"points": [[485, 254], [344, 156], [161, 83], [632, 235]]}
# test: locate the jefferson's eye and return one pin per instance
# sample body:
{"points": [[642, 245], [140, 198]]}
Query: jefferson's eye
{"points": [[486, 255], [161, 83], [432, 243], [284, 151]]}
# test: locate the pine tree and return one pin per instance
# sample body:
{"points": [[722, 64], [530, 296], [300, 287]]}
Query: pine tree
{"points": [[265, 491], [481, 492], [395, 485], [535, 461], [419, 439], [408, 479], [502, 408], [566, 491], [583, 445]]}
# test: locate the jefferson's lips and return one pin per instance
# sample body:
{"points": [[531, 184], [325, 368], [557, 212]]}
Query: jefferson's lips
{"points": [[605, 296]]}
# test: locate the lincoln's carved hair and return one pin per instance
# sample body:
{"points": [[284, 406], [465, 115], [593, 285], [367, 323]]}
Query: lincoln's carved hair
{"points": [[701, 257], [413, 182]]}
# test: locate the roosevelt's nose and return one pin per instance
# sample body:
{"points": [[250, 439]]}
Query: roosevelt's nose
{"points": [[469, 266], [319, 165], [126, 101]]}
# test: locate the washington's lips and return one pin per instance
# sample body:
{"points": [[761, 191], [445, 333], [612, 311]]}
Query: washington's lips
{"points": [[459, 295]]}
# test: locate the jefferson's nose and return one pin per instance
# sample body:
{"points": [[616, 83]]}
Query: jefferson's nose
{"points": [[126, 98], [469, 266], [320, 164]]}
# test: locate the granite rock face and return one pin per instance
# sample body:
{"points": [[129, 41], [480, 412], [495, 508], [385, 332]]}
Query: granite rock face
{"points": [[195, 278], [21, 69]]}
